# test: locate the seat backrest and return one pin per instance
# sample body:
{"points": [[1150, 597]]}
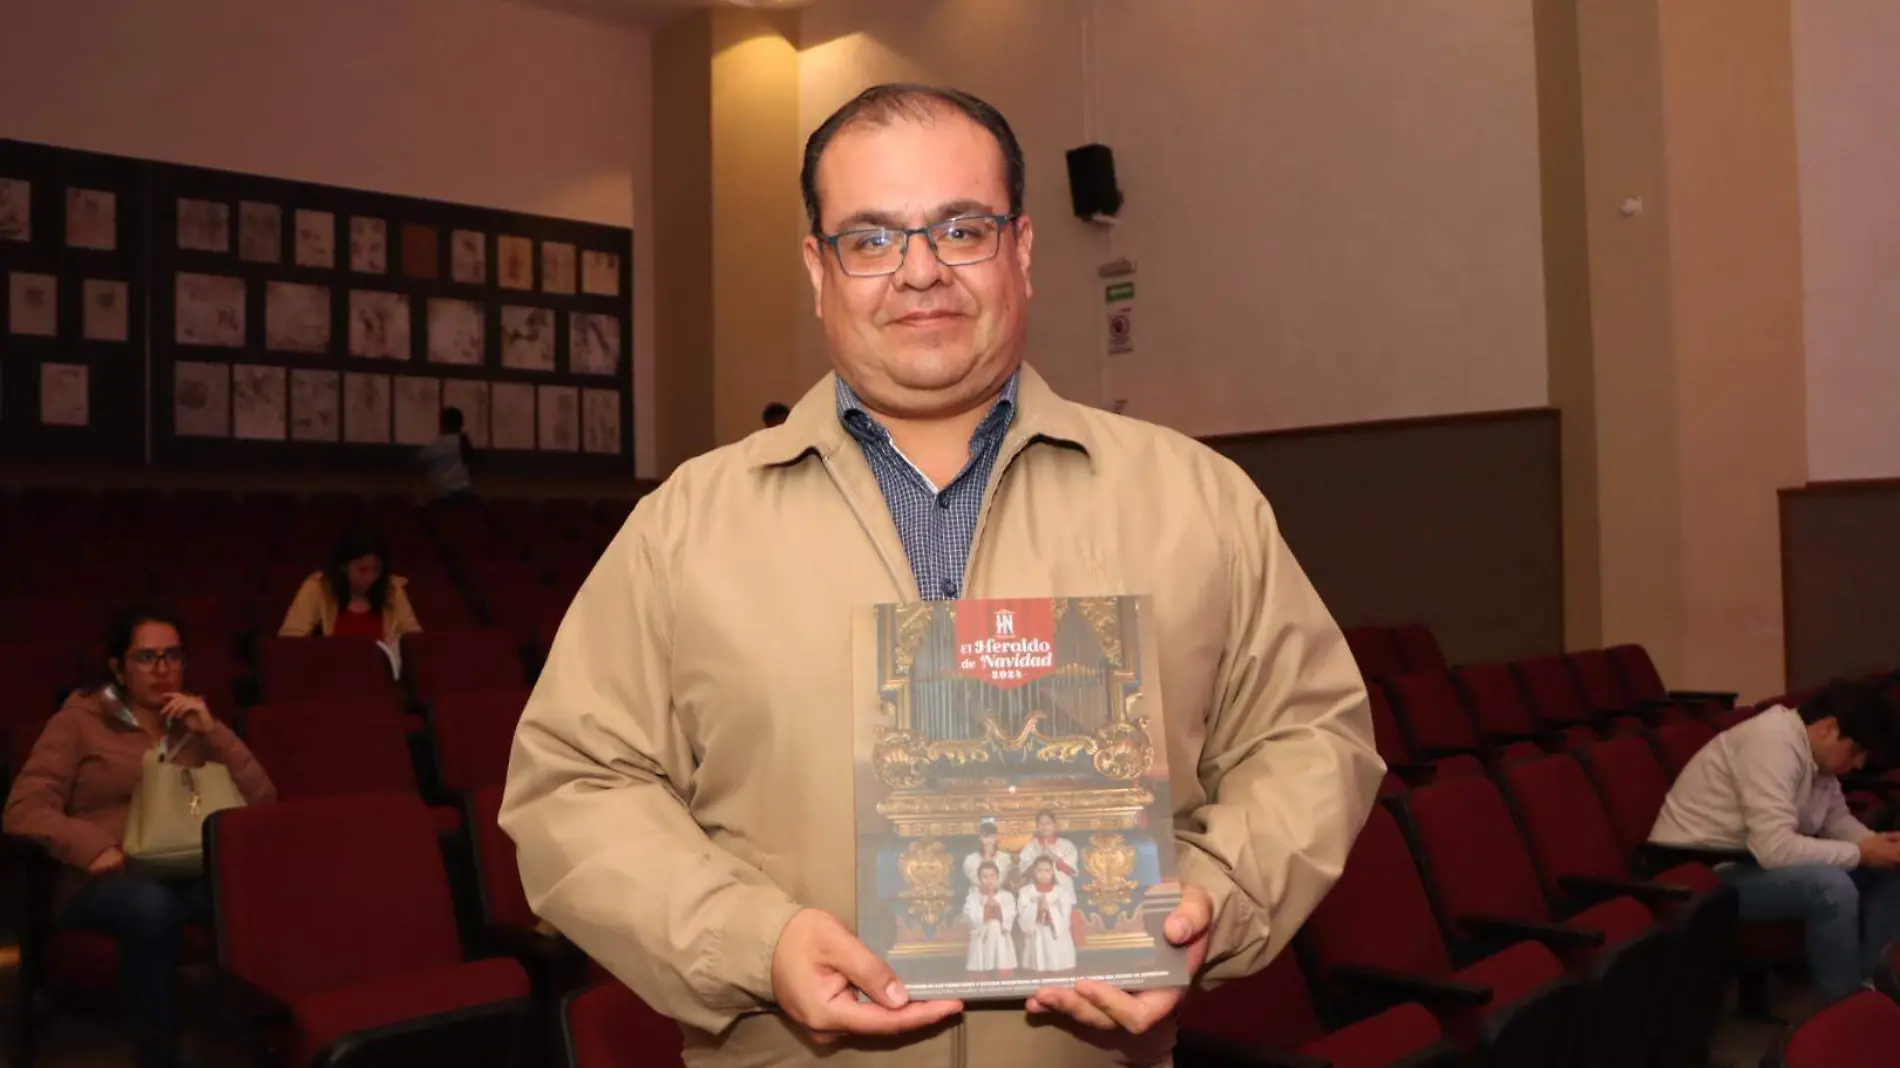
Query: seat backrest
{"points": [[303, 669], [40, 676], [1428, 702], [441, 663], [1495, 699], [608, 1026], [474, 737], [1377, 654], [1603, 689], [1387, 735], [1640, 676], [307, 753], [316, 894], [1678, 743], [504, 901], [1377, 913], [1633, 785], [1418, 648], [1565, 824], [1857, 1031], [1270, 1008], [75, 623], [1471, 853], [1553, 694]]}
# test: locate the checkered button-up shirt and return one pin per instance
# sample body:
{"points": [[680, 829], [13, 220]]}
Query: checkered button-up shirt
{"points": [[936, 525]]}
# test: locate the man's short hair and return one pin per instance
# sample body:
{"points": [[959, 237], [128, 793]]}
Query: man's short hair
{"points": [[774, 414], [881, 105], [1863, 713], [451, 420]]}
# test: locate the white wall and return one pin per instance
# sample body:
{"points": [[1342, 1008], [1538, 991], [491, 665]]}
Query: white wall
{"points": [[1847, 119], [480, 102], [1333, 206]]}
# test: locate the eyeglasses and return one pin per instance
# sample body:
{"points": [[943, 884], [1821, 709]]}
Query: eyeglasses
{"points": [[151, 658], [959, 242]]}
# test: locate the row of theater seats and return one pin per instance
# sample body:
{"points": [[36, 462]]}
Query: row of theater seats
{"points": [[232, 564]]}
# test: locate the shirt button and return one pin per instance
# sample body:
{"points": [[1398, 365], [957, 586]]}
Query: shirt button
{"points": [[949, 588], [943, 501]]}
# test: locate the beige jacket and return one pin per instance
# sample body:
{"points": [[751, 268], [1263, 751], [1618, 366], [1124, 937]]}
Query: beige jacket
{"points": [[313, 611], [681, 781]]}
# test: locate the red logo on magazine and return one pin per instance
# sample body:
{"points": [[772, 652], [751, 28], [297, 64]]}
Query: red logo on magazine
{"points": [[1006, 643]]}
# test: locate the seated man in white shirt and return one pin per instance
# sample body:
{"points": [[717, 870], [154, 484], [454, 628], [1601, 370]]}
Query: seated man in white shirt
{"points": [[1770, 785]]}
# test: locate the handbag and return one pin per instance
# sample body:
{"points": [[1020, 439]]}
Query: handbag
{"points": [[164, 832]]}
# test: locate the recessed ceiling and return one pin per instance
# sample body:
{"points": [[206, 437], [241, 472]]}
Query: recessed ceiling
{"points": [[648, 12]]}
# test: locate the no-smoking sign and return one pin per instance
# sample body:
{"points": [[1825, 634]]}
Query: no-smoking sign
{"points": [[1121, 318]]}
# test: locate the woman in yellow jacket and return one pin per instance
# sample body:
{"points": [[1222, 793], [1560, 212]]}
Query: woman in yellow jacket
{"points": [[354, 596]]}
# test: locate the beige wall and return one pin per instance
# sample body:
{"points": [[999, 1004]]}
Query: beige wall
{"points": [[1847, 109], [476, 101], [1334, 208]]}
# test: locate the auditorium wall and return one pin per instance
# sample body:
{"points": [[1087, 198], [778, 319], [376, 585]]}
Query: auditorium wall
{"points": [[1840, 573], [1333, 208], [1334, 214], [482, 102]]}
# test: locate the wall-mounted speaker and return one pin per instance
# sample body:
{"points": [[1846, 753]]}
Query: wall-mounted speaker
{"points": [[1092, 188]]}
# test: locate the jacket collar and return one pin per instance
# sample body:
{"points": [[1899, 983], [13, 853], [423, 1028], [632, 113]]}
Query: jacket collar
{"points": [[814, 426]]}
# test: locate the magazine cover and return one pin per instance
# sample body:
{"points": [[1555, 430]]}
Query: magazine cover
{"points": [[1014, 825]]}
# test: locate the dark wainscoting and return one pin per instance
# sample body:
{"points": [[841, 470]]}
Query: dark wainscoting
{"points": [[1840, 579], [1453, 521]]}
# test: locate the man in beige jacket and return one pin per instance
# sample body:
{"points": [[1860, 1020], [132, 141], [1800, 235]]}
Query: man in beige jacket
{"points": [[681, 785]]}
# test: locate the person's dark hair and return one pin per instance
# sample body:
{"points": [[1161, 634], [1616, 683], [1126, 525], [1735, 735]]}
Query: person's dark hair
{"points": [[1863, 713], [354, 545], [1042, 862], [989, 865], [1051, 815], [882, 104], [451, 420], [126, 624], [774, 414]]}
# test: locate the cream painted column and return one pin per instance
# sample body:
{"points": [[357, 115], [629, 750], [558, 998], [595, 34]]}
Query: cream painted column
{"points": [[1695, 370], [729, 287]]}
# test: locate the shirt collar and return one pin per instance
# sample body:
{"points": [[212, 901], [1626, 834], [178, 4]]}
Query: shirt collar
{"points": [[816, 424], [865, 427]]}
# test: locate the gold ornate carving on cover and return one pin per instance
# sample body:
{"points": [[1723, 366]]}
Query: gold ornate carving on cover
{"points": [[1108, 862], [926, 866]]}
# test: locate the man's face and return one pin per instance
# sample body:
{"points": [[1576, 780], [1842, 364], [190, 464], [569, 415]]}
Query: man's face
{"points": [[1833, 754], [989, 880], [929, 340]]}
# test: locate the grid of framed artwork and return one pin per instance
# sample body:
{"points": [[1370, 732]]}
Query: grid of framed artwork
{"points": [[72, 304], [297, 325]]}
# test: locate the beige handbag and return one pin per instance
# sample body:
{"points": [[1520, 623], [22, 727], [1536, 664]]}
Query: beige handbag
{"points": [[164, 833]]}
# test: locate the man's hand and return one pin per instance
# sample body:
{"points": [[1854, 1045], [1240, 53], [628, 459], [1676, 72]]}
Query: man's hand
{"points": [[108, 862], [1105, 1008], [819, 967], [1880, 851]]}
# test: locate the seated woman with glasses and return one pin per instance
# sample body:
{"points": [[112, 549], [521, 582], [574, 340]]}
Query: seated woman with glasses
{"points": [[353, 596], [75, 791]]}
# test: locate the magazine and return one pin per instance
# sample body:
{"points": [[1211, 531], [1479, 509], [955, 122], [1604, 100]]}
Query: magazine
{"points": [[1014, 824]]}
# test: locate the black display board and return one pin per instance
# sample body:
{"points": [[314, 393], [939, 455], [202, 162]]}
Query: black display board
{"points": [[294, 325], [72, 306]]}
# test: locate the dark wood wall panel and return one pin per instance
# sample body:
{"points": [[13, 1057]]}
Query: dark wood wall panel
{"points": [[1455, 522], [1840, 579]]}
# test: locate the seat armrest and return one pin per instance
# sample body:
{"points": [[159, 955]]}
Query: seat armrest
{"points": [[1597, 888], [1724, 698], [1407, 986], [1668, 856], [1197, 1049], [1554, 935]]}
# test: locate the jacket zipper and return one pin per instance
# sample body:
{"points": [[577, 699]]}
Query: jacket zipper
{"points": [[1003, 465]]}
